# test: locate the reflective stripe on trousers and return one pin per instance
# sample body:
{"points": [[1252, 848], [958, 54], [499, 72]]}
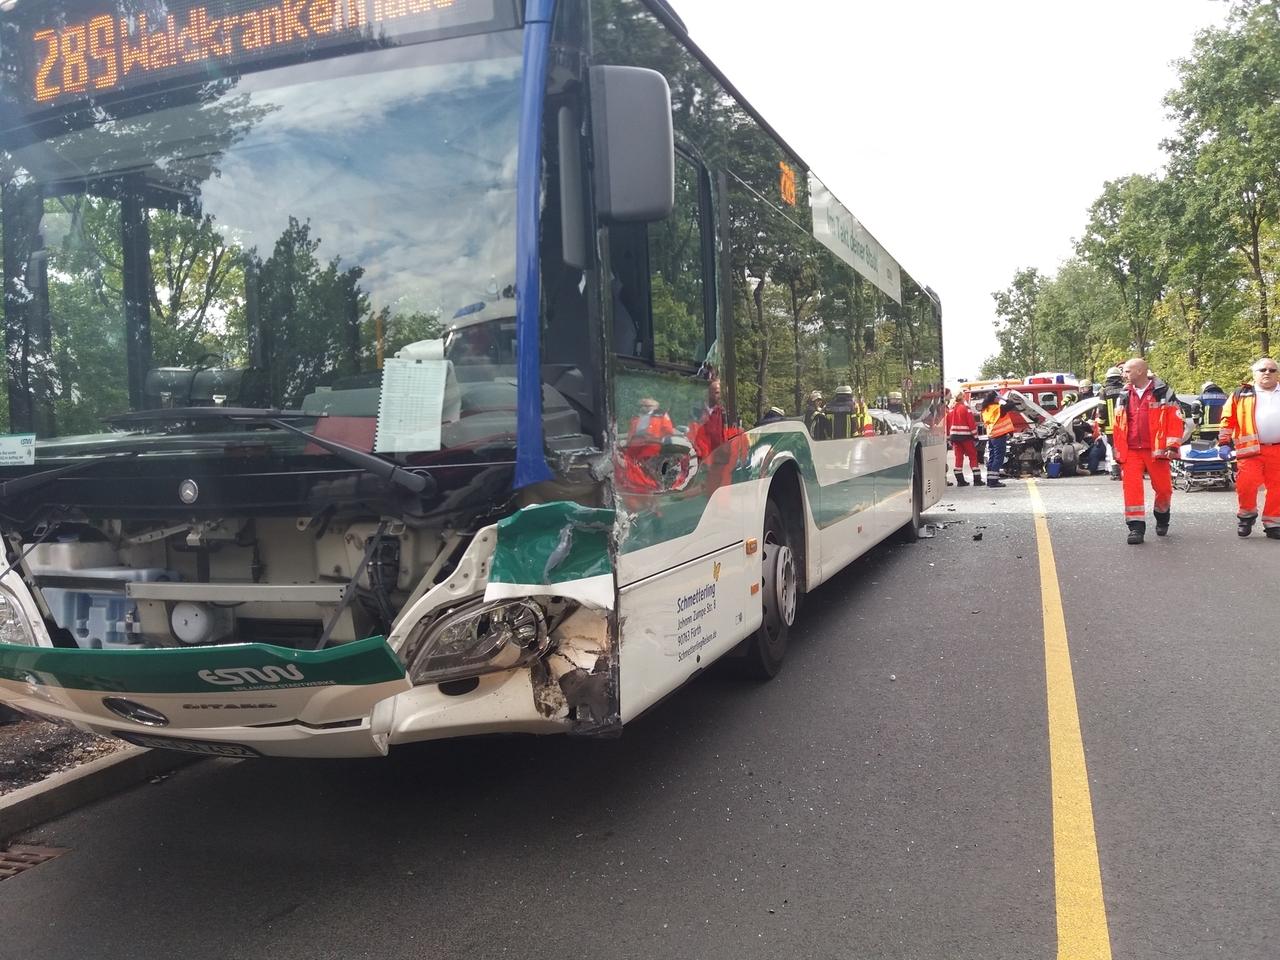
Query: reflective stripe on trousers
{"points": [[1261, 470], [965, 450], [1137, 464]]}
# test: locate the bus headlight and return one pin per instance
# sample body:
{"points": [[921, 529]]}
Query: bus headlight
{"points": [[480, 639], [14, 625]]}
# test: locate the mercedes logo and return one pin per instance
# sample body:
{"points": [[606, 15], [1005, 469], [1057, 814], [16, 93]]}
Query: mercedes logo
{"points": [[188, 491], [135, 712]]}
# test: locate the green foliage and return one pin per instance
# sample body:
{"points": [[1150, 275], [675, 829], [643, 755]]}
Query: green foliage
{"points": [[1183, 267]]}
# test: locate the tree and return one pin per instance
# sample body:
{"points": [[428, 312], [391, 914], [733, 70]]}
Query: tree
{"points": [[1124, 240], [1015, 324], [1227, 107]]}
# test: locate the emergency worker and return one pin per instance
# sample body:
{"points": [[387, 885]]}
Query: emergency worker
{"points": [[815, 417], [1252, 425], [1213, 405], [962, 431], [998, 416], [707, 428], [841, 412], [895, 403], [1147, 433], [644, 444], [772, 415], [1112, 389]]}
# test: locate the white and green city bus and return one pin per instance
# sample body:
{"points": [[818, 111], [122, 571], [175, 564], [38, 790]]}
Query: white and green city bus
{"points": [[387, 370]]}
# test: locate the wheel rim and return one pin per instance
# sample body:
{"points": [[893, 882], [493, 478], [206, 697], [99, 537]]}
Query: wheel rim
{"points": [[781, 589], [786, 589]]}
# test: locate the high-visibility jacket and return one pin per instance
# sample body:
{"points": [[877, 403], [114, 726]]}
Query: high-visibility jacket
{"points": [[1107, 412], [1240, 422], [999, 421], [1164, 420], [960, 422]]}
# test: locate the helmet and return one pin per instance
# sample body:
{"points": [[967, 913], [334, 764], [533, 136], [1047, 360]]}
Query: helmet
{"points": [[1210, 387], [815, 395], [1114, 373], [895, 394], [844, 391], [1086, 385], [777, 411]]}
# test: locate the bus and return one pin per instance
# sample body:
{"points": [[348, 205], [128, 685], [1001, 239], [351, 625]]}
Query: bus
{"points": [[388, 370]]}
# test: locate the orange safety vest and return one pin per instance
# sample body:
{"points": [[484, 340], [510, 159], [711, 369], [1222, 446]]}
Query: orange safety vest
{"points": [[1239, 425], [998, 424], [1165, 420]]}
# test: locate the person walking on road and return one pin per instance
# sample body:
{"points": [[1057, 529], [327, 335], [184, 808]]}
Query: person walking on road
{"points": [[962, 431], [1251, 423], [997, 417], [1147, 433]]}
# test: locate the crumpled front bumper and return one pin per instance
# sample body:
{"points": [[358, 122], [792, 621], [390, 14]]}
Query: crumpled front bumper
{"points": [[273, 701]]}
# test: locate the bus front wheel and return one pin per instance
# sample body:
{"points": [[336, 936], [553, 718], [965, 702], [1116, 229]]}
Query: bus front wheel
{"points": [[779, 597]]}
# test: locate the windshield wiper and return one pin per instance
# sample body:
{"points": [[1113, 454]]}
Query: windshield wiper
{"points": [[20, 485], [368, 462]]}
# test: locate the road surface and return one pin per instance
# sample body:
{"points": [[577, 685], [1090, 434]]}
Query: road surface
{"points": [[945, 769]]}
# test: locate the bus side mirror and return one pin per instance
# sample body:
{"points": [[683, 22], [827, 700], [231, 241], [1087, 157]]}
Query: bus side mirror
{"points": [[635, 165]]}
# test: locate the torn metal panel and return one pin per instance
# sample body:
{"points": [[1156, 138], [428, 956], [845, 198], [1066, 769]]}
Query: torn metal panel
{"points": [[560, 545]]}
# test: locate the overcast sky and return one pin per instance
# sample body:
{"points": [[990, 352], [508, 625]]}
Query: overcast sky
{"points": [[969, 138]]}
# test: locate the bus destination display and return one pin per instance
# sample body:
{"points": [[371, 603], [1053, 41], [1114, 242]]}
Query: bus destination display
{"points": [[108, 52]]}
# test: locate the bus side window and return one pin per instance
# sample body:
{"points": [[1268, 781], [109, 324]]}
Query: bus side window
{"points": [[679, 279]]}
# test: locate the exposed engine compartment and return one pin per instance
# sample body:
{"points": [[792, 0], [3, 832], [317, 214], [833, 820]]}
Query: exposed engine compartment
{"points": [[302, 583]]}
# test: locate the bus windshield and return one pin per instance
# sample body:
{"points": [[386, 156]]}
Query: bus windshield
{"points": [[267, 241]]}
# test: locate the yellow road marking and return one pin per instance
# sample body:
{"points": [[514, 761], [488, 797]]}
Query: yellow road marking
{"points": [[1082, 914]]}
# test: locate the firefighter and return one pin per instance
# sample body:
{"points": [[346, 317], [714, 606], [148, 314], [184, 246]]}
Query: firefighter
{"points": [[1112, 389], [962, 430], [841, 411], [1213, 403], [1252, 424], [1147, 433], [815, 416], [998, 417]]}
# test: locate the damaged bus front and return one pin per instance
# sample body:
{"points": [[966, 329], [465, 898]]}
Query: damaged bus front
{"points": [[305, 405]]}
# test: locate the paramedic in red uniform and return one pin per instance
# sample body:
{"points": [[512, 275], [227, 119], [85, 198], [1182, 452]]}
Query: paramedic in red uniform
{"points": [[1147, 433], [962, 430], [1252, 424]]}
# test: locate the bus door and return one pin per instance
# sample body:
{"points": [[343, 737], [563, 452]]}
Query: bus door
{"points": [[682, 568]]}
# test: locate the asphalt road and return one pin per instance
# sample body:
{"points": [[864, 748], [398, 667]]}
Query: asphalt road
{"points": [[888, 796]]}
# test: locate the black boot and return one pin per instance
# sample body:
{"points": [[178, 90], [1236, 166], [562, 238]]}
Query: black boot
{"points": [[1244, 525], [1137, 530], [960, 480], [1273, 533], [1162, 523]]}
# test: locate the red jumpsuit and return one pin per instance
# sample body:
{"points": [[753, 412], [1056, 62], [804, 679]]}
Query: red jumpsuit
{"points": [[1146, 434], [962, 429]]}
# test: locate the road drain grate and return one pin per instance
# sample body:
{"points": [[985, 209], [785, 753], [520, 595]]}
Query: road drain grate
{"points": [[19, 857]]}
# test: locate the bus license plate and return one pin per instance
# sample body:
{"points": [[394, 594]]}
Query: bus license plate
{"points": [[206, 748]]}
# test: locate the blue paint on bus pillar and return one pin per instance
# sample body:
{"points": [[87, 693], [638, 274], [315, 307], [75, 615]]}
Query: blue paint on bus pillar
{"points": [[531, 459]]}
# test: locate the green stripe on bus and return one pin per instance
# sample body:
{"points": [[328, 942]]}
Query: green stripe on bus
{"points": [[658, 518], [553, 543], [233, 667]]}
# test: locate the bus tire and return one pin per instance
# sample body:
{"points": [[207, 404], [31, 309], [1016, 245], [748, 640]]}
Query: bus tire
{"points": [[910, 531], [779, 598]]}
